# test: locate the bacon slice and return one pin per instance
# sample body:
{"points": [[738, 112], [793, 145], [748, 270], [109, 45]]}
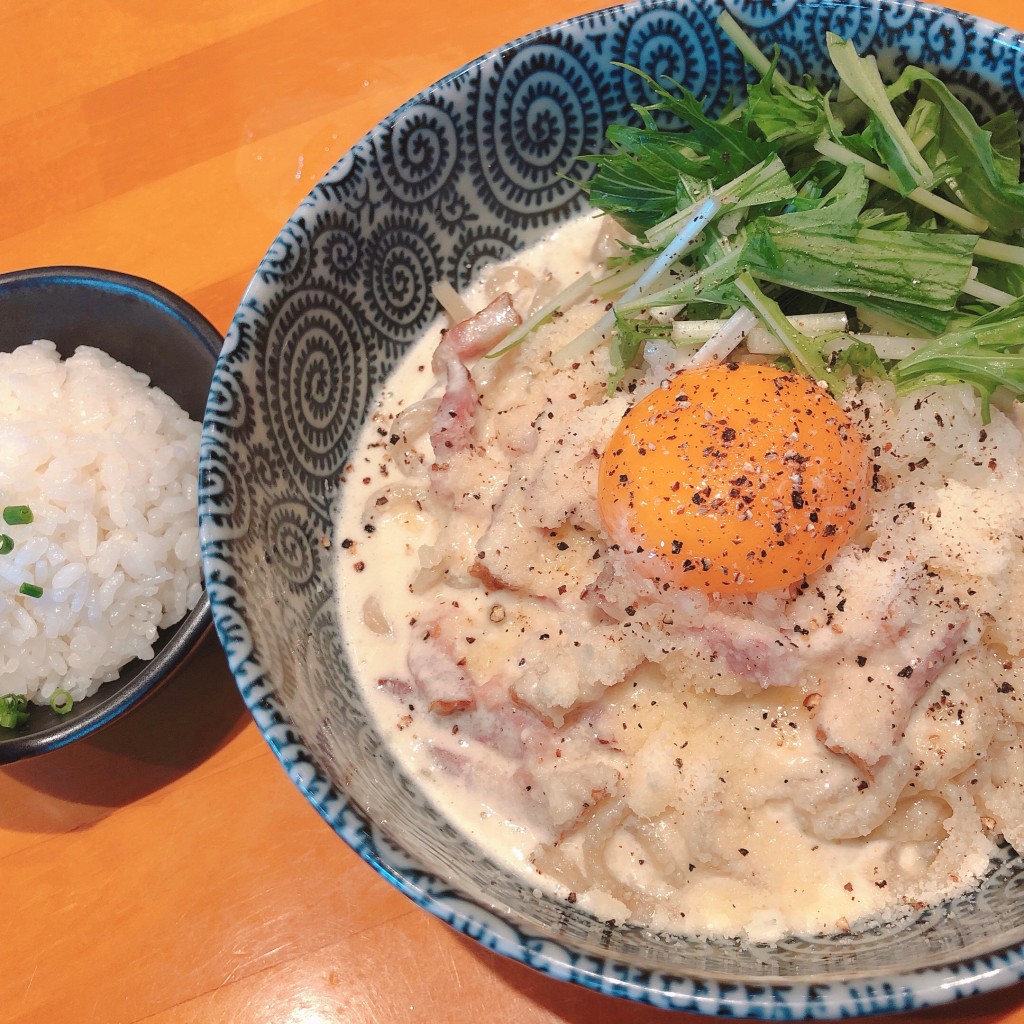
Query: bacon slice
{"points": [[477, 335], [437, 675], [452, 428]]}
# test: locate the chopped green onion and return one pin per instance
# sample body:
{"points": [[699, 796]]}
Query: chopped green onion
{"points": [[6, 544], [13, 710], [61, 702], [30, 590], [17, 515]]}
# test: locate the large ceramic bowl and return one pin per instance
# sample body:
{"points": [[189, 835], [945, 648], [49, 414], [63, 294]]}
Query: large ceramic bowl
{"points": [[145, 326], [467, 172]]}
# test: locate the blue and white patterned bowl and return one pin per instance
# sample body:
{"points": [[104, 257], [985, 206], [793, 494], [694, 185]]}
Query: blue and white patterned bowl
{"points": [[466, 173]]}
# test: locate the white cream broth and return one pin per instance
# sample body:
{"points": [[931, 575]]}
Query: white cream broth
{"points": [[749, 768]]}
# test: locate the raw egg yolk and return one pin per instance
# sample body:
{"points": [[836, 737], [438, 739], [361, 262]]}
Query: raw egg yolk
{"points": [[734, 479]]}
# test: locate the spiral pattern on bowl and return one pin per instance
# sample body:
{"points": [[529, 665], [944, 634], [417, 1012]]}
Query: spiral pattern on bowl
{"points": [[480, 165]]}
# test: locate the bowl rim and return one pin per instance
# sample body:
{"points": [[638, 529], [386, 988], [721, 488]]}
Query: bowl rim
{"points": [[772, 996], [104, 279], [185, 635]]}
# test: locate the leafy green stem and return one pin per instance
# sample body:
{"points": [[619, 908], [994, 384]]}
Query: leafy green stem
{"points": [[929, 200]]}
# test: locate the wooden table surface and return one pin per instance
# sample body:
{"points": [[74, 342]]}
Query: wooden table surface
{"points": [[166, 870]]}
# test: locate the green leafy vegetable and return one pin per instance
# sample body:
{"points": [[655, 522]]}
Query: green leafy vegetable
{"points": [[886, 132], [789, 117], [640, 182], [988, 182], [988, 354], [885, 202], [913, 279], [862, 359], [799, 347], [765, 184]]}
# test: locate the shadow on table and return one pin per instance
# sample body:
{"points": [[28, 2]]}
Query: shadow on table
{"points": [[573, 1004], [570, 1003], [195, 713]]}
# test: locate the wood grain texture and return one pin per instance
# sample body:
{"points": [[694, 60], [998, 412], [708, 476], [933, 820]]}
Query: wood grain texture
{"points": [[165, 870]]}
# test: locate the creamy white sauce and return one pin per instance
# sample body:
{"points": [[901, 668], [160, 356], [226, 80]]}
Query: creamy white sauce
{"points": [[376, 558], [711, 805]]}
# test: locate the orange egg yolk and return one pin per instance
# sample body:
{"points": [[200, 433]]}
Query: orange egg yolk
{"points": [[734, 479]]}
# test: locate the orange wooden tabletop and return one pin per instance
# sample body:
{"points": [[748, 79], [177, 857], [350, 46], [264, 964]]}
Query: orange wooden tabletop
{"points": [[166, 870]]}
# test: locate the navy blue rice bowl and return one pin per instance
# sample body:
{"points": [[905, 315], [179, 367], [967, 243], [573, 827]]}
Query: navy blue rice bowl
{"points": [[152, 330]]}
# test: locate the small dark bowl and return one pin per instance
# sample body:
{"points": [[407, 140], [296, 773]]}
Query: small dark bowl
{"points": [[142, 325]]}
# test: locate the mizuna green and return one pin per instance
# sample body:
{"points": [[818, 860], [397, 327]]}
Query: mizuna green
{"points": [[886, 201]]}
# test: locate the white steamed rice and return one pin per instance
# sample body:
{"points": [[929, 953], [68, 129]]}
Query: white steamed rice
{"points": [[108, 467]]}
